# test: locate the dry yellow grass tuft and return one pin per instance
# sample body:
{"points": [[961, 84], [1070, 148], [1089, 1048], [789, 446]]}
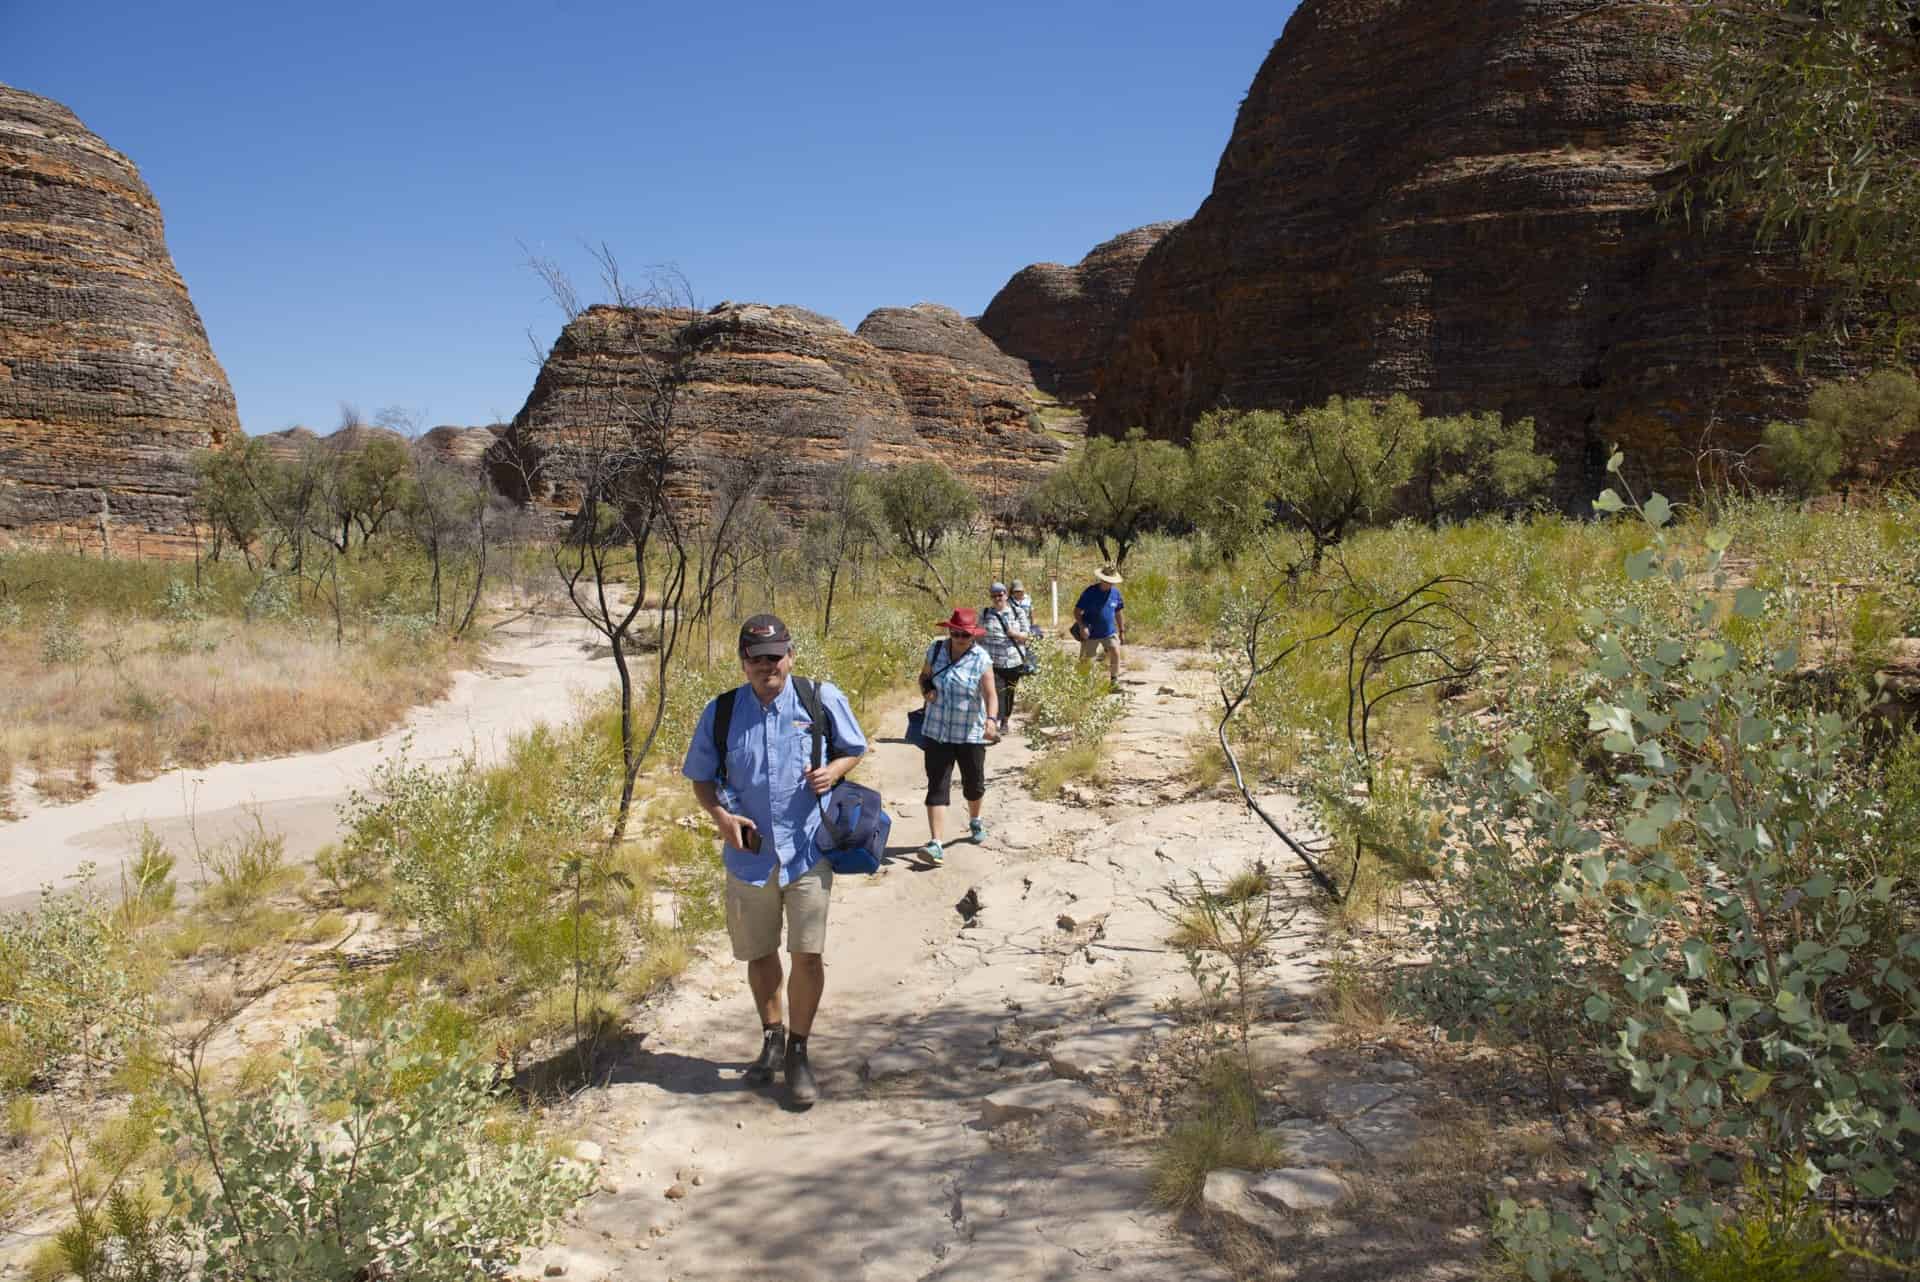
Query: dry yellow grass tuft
{"points": [[144, 704]]}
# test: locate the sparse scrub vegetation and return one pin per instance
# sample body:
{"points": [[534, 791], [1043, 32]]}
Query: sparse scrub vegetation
{"points": [[1651, 828], [129, 662]]}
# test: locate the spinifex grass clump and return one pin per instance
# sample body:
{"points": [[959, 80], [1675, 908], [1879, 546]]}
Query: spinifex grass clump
{"points": [[1222, 1132]]}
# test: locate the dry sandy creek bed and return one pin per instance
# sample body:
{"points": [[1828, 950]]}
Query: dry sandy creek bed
{"points": [[990, 1076]]}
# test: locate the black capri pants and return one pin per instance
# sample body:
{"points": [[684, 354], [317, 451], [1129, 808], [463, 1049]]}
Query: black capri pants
{"points": [[1004, 680], [941, 759]]}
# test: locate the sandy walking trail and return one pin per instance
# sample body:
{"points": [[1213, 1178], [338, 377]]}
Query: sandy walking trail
{"points": [[533, 672], [969, 1126]]}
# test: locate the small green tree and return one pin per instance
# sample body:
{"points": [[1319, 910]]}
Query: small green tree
{"points": [[1231, 480], [1339, 465], [922, 503], [225, 500], [374, 483], [1849, 426], [1868, 416], [1806, 456], [1473, 463], [1114, 491]]}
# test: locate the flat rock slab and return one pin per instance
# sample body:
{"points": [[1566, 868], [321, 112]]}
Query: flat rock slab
{"points": [[1318, 1143], [1230, 1193], [1386, 1129], [898, 1061], [1101, 1049], [1036, 1099], [1299, 1188], [1349, 1099]]}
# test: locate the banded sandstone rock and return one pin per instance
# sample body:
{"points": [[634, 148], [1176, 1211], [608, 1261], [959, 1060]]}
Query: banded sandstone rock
{"points": [[1063, 320], [780, 378], [107, 383], [1456, 199], [463, 447], [968, 400]]}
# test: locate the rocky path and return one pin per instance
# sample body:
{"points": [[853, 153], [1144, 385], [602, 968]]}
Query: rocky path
{"points": [[969, 1055], [534, 669]]}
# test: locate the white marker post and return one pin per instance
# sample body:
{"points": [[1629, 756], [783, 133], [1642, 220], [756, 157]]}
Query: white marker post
{"points": [[1053, 586]]}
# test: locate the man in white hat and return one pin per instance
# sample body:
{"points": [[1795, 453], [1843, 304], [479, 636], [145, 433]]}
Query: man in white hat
{"points": [[1099, 623]]}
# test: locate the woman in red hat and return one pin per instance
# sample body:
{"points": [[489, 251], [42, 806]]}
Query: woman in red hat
{"points": [[963, 717]]}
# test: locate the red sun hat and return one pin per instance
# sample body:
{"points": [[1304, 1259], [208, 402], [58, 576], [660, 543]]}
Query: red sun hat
{"points": [[964, 619]]}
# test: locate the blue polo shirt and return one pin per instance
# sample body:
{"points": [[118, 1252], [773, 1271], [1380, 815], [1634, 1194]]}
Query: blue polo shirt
{"points": [[768, 749], [1097, 606]]}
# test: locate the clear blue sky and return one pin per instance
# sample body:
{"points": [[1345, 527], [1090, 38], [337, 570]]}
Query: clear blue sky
{"points": [[346, 185]]}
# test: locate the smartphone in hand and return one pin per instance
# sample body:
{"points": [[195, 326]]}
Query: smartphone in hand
{"points": [[750, 838]]}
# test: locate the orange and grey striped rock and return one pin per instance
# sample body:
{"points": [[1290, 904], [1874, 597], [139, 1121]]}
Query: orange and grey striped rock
{"points": [[107, 383], [1457, 200]]}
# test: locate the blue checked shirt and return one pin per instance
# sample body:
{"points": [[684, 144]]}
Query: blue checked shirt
{"points": [[1000, 646], [768, 749], [959, 715]]}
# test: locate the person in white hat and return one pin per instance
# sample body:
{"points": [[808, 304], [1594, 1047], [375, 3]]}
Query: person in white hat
{"points": [[1099, 623]]}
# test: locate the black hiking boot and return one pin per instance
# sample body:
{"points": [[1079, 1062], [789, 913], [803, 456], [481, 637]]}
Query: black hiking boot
{"points": [[801, 1089], [773, 1046]]}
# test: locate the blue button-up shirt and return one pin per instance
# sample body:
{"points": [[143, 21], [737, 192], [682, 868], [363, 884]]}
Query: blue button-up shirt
{"points": [[769, 747]]}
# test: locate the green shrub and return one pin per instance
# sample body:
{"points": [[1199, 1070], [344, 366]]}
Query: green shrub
{"points": [[240, 872], [1779, 1236], [62, 642], [457, 870], [1805, 456], [368, 1157], [65, 987], [1750, 972]]}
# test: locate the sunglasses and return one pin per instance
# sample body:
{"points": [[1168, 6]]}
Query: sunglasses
{"points": [[996, 594], [764, 658]]}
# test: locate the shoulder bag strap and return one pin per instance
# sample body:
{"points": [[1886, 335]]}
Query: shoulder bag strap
{"points": [[1017, 647]]}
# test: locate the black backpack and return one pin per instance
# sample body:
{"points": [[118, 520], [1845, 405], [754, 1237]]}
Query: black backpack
{"points": [[808, 693]]}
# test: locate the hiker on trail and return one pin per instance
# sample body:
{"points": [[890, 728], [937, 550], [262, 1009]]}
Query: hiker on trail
{"points": [[1099, 624], [963, 717], [761, 794], [1006, 643], [1023, 611]]}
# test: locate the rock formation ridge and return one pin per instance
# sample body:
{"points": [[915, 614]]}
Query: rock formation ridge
{"points": [[1063, 320], [1456, 199], [915, 383], [107, 382]]}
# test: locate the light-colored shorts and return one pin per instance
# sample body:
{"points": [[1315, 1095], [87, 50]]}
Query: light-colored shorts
{"points": [[1094, 645], [753, 913]]}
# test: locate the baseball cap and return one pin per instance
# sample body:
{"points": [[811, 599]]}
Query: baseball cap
{"points": [[996, 586], [1018, 586], [764, 634]]}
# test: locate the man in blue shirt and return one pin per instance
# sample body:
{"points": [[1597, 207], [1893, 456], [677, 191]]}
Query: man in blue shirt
{"points": [[1102, 626], [763, 797]]}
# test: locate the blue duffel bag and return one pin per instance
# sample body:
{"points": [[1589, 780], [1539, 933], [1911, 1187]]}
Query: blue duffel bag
{"points": [[853, 829]]}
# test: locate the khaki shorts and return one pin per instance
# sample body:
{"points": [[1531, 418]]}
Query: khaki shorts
{"points": [[1094, 645], [753, 913]]}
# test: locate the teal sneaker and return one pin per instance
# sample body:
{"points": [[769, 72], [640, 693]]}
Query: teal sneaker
{"points": [[976, 830], [934, 854]]}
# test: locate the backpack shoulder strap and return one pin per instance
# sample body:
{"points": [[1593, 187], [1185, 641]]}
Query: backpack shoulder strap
{"points": [[722, 725], [808, 692]]}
